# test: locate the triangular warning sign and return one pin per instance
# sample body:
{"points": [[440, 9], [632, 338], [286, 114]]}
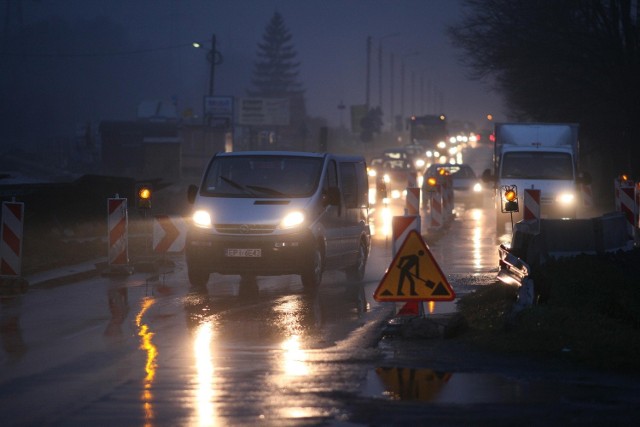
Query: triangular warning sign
{"points": [[414, 275]]}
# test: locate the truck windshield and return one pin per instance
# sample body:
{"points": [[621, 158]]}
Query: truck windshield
{"points": [[262, 176], [537, 165]]}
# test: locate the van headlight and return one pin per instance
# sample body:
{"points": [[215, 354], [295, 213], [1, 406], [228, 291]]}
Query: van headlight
{"points": [[292, 219], [565, 198], [201, 218]]}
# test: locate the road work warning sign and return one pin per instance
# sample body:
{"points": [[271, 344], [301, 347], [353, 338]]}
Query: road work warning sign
{"points": [[414, 275]]}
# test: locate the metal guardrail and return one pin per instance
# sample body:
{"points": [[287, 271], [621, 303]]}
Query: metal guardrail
{"points": [[513, 270]]}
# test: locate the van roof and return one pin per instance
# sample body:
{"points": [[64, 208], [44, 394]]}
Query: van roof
{"points": [[290, 153]]}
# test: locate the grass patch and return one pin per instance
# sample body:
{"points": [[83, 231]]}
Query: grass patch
{"points": [[589, 312]]}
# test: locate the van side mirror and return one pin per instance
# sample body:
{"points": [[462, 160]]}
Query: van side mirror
{"points": [[487, 176], [584, 178], [332, 196], [192, 191]]}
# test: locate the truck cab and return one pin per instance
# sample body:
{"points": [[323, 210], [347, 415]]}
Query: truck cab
{"points": [[540, 156]]}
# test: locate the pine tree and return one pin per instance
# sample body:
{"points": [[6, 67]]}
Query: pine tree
{"points": [[275, 72]]}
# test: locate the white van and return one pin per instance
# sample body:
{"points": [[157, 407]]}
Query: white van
{"points": [[275, 212]]}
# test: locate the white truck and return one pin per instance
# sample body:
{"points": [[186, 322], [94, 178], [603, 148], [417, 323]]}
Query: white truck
{"points": [[541, 156]]}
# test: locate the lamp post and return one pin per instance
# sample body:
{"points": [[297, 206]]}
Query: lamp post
{"points": [[386, 36], [215, 58], [368, 72], [402, 81]]}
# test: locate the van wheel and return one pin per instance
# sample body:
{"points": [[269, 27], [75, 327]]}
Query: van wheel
{"points": [[312, 275], [355, 273], [198, 276]]}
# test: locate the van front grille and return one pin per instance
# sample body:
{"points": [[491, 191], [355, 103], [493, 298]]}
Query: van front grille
{"points": [[245, 228]]}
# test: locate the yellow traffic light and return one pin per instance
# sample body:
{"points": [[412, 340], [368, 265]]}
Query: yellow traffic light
{"points": [[509, 198], [143, 196]]}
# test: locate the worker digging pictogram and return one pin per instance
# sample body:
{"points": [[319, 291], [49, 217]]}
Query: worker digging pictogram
{"points": [[414, 275]]}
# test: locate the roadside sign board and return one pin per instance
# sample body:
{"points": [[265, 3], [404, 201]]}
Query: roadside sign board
{"points": [[169, 234], [264, 112], [414, 275]]}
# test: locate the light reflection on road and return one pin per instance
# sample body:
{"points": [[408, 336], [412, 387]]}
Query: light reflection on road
{"points": [[202, 343], [150, 366]]}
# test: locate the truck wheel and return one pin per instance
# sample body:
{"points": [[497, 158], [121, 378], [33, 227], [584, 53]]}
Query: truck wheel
{"points": [[312, 275], [355, 273]]}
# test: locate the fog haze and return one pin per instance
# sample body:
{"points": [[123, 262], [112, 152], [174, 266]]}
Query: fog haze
{"points": [[77, 60]]}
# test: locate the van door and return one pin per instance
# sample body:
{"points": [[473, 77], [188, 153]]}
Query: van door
{"points": [[332, 219], [354, 192]]}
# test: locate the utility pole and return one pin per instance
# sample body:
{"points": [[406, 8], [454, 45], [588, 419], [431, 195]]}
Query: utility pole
{"points": [[368, 81], [212, 58]]}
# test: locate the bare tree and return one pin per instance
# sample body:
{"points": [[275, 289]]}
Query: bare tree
{"points": [[562, 60]]}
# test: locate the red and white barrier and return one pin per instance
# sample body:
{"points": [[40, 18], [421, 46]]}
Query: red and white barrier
{"points": [[412, 179], [436, 218], [11, 238], [637, 204], [169, 234], [412, 201], [531, 210], [626, 196], [117, 220], [400, 228], [531, 205], [447, 198]]}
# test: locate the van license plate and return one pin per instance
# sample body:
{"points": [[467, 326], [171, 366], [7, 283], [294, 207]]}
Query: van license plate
{"points": [[249, 253]]}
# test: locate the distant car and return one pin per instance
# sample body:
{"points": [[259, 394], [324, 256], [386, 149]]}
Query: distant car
{"points": [[467, 187]]}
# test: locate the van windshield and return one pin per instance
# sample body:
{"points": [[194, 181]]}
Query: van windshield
{"points": [[262, 176], [537, 165]]}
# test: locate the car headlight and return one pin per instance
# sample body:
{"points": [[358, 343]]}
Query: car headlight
{"points": [[292, 219], [419, 164], [565, 198], [202, 219], [386, 178], [477, 187]]}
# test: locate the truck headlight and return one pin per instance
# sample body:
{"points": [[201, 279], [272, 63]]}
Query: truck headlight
{"points": [[201, 218], [565, 198], [292, 219]]}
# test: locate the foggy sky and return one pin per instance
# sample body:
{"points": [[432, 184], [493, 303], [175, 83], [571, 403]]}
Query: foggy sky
{"points": [[329, 36]]}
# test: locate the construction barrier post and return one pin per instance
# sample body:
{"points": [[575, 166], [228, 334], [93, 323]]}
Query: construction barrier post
{"points": [[118, 238], [447, 198], [11, 237], [11, 240], [412, 201], [400, 228], [436, 217], [627, 205], [531, 210]]}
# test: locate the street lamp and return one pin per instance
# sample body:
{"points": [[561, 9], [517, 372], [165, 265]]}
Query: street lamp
{"points": [[402, 80], [386, 36], [215, 58]]}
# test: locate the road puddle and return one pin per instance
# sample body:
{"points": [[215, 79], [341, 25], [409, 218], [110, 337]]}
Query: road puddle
{"points": [[421, 384]]}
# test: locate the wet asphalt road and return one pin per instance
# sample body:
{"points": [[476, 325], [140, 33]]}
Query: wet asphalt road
{"points": [[148, 350]]}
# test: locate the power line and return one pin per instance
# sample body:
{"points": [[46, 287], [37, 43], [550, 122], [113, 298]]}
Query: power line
{"points": [[94, 54]]}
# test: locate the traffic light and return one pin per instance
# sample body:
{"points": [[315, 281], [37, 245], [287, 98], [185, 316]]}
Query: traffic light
{"points": [[143, 196], [509, 198]]}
